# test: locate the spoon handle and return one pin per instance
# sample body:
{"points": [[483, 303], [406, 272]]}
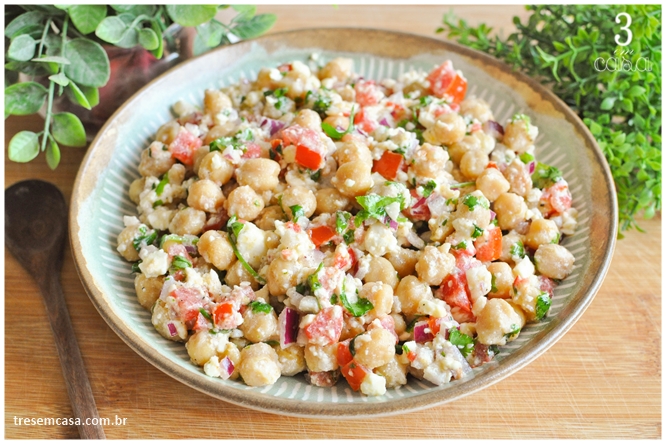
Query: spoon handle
{"points": [[73, 369]]}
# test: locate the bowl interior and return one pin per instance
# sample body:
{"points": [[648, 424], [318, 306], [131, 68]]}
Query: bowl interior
{"points": [[101, 200]]}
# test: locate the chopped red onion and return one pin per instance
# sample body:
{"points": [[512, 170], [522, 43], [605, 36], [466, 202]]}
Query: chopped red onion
{"points": [[288, 326], [384, 122], [531, 166], [272, 125], [420, 334], [191, 249], [494, 129], [173, 331], [393, 224], [419, 202], [493, 215], [226, 368]]}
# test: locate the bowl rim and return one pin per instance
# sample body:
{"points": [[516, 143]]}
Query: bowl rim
{"points": [[516, 361]]}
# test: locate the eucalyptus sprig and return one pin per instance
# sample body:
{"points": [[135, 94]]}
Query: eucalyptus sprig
{"points": [[59, 49], [559, 45]]}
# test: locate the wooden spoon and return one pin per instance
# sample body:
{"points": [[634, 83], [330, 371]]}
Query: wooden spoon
{"points": [[35, 232]]}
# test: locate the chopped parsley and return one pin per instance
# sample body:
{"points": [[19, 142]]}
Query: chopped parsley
{"points": [[461, 246], [342, 221], [515, 329], [233, 229], [180, 263], [429, 187], [296, 211], [348, 237], [135, 267], [280, 97], [260, 307], [316, 176], [358, 308], [237, 142], [158, 203], [145, 237], [542, 305], [313, 279], [478, 231], [526, 158], [517, 249], [545, 175], [205, 314], [333, 133], [472, 201], [160, 186], [556, 240], [464, 343], [455, 186], [375, 205], [493, 286]]}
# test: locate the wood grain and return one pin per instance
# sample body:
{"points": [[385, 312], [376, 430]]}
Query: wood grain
{"points": [[601, 380]]}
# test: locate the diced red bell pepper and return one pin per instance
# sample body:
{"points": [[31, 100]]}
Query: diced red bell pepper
{"points": [[184, 146], [435, 325], [321, 235], [308, 158], [362, 121], [223, 312], [454, 291], [489, 246], [326, 327], [388, 165], [557, 197], [343, 353], [309, 148], [252, 151], [445, 81], [354, 373]]}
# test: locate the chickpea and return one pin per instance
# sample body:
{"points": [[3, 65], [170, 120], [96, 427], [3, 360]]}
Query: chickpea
{"points": [[282, 275], [136, 188], [435, 264], [340, 68], [399, 323], [244, 203], [218, 131], [519, 135], [125, 243], [237, 274], [216, 168], [188, 221], [381, 270], [339, 122], [264, 79], [259, 327], [177, 174], [411, 291], [260, 174], [511, 210], [259, 365], [476, 108], [429, 160], [267, 218], [374, 348], [321, 358], [201, 347], [508, 241], [473, 163], [404, 261], [474, 207], [542, 231], [491, 183], [394, 372], [205, 195], [291, 359], [215, 101], [148, 289], [308, 119], [554, 261], [502, 280], [329, 200], [458, 149], [155, 161], [215, 248], [497, 319], [518, 177], [168, 132], [353, 150], [298, 195], [449, 128], [161, 320], [381, 296]]}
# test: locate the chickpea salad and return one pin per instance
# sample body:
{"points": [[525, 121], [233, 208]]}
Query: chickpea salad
{"points": [[312, 221]]}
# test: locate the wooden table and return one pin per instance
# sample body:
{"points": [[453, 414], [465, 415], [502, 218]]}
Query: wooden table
{"points": [[602, 380]]}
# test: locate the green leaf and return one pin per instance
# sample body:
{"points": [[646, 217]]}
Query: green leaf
{"points": [[258, 25], [111, 30], [191, 15], [608, 103], [23, 147], [78, 95], [68, 130], [210, 33], [260, 307], [159, 51], [148, 39], [159, 189], [86, 18], [92, 95], [60, 78], [22, 99], [358, 308], [542, 305], [52, 59], [464, 343], [52, 154], [635, 91], [429, 187], [245, 12], [89, 63], [29, 19], [22, 48], [517, 249], [179, 262], [297, 211]]}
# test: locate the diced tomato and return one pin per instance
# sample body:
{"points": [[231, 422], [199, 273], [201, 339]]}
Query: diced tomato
{"points": [[326, 327], [184, 146], [411, 356], [174, 250], [179, 275], [547, 284], [308, 158], [344, 355], [292, 226], [201, 323], [252, 151], [557, 197], [189, 300], [454, 292], [354, 373], [362, 121], [489, 246], [345, 259], [492, 165], [397, 111], [223, 312], [388, 165], [321, 235], [367, 92], [445, 81], [285, 67], [435, 325]]}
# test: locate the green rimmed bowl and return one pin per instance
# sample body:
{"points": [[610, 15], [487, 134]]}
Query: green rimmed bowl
{"points": [[100, 200]]}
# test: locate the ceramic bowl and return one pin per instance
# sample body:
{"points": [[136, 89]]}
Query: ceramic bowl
{"points": [[100, 200]]}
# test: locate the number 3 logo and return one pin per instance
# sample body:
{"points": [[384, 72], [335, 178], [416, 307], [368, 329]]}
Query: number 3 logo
{"points": [[624, 28]]}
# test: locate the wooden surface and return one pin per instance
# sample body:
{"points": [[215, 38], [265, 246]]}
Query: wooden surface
{"points": [[602, 380]]}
